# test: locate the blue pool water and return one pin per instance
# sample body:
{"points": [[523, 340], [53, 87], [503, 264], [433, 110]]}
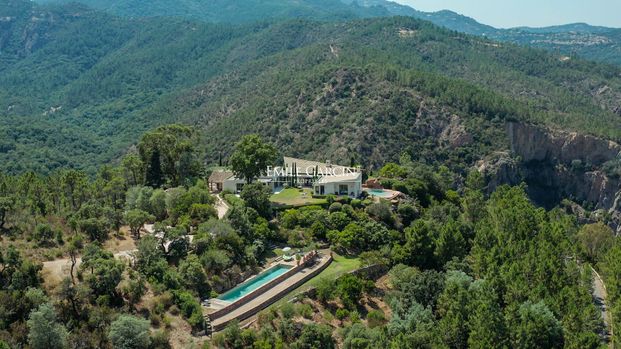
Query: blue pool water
{"points": [[248, 286], [380, 193]]}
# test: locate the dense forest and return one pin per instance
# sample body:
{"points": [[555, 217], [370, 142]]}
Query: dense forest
{"points": [[600, 44], [115, 78], [465, 270]]}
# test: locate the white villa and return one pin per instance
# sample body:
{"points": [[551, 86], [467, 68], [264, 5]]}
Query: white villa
{"points": [[324, 178]]}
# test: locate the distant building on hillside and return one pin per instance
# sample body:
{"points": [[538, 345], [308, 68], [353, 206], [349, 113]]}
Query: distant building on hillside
{"points": [[325, 178]]}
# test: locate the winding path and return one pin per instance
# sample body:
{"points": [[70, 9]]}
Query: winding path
{"points": [[600, 297], [221, 206]]}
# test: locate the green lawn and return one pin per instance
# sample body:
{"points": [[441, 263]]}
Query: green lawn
{"points": [[295, 197], [339, 266]]}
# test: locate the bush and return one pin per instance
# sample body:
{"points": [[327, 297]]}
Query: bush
{"points": [[325, 290], [305, 310], [335, 207], [287, 310], [375, 318], [330, 199], [381, 211], [342, 314], [190, 309]]}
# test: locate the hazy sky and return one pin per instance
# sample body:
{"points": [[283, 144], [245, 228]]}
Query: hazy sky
{"points": [[533, 13]]}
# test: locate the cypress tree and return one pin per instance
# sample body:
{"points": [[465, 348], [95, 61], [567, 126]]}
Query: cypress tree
{"points": [[154, 177]]}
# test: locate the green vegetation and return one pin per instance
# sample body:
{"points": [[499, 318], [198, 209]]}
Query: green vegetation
{"points": [[454, 279], [114, 79], [296, 197], [467, 268]]}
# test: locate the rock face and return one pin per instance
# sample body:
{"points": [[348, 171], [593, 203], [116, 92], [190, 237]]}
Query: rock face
{"points": [[558, 165], [536, 144]]}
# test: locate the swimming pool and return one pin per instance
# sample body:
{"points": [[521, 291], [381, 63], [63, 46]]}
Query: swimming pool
{"points": [[252, 284], [381, 193]]}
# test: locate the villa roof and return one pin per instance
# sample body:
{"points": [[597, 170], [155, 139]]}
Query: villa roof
{"points": [[338, 179], [321, 167], [220, 176]]}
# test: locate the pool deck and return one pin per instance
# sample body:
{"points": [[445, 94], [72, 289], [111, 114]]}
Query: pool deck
{"points": [[270, 296]]}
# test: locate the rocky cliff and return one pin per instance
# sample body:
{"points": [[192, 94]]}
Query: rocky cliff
{"points": [[533, 143], [558, 165]]}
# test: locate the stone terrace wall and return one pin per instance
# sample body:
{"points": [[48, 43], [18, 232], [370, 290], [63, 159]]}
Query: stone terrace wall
{"points": [[276, 297], [259, 291]]}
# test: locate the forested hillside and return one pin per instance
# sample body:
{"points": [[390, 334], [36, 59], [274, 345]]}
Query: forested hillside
{"points": [[78, 86], [599, 44], [240, 11], [456, 269]]}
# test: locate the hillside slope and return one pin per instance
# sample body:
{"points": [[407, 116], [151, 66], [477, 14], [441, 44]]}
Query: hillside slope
{"points": [[77, 87], [578, 39]]}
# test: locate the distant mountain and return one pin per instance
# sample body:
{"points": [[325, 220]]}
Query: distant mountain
{"points": [[579, 39], [234, 11], [77, 87]]}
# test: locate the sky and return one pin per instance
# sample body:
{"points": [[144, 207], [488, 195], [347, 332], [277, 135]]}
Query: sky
{"points": [[532, 13]]}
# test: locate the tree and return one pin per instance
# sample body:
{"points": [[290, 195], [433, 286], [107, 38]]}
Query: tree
{"points": [[43, 233], [453, 309], [412, 285], [536, 327], [150, 259], [420, 244], [133, 169], [392, 170], [315, 336], [95, 228], [201, 213], [157, 203], [450, 243], [136, 219], [44, 332], [193, 275], [170, 154], [596, 239], [486, 324], [252, 157], [104, 272], [6, 205], [130, 332], [74, 247], [153, 174], [257, 195], [350, 288]]}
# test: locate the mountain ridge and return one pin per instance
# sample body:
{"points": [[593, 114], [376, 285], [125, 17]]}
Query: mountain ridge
{"points": [[115, 78], [590, 42]]}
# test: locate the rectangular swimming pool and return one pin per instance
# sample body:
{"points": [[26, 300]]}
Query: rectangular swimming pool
{"points": [[252, 284]]}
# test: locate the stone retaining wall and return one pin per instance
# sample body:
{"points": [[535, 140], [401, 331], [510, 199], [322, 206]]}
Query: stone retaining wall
{"points": [[276, 297], [372, 272], [259, 291]]}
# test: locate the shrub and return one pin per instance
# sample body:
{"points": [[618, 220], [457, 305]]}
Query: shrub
{"points": [[335, 207], [325, 290], [287, 310], [305, 310], [375, 318], [341, 314]]}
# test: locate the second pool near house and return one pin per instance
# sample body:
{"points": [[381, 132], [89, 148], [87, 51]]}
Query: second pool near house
{"points": [[380, 193], [252, 284]]}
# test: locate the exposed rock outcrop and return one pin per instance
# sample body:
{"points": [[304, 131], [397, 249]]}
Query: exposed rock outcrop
{"points": [[533, 143], [557, 165]]}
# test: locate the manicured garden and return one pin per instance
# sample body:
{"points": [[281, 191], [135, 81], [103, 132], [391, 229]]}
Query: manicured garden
{"points": [[340, 265], [293, 197]]}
